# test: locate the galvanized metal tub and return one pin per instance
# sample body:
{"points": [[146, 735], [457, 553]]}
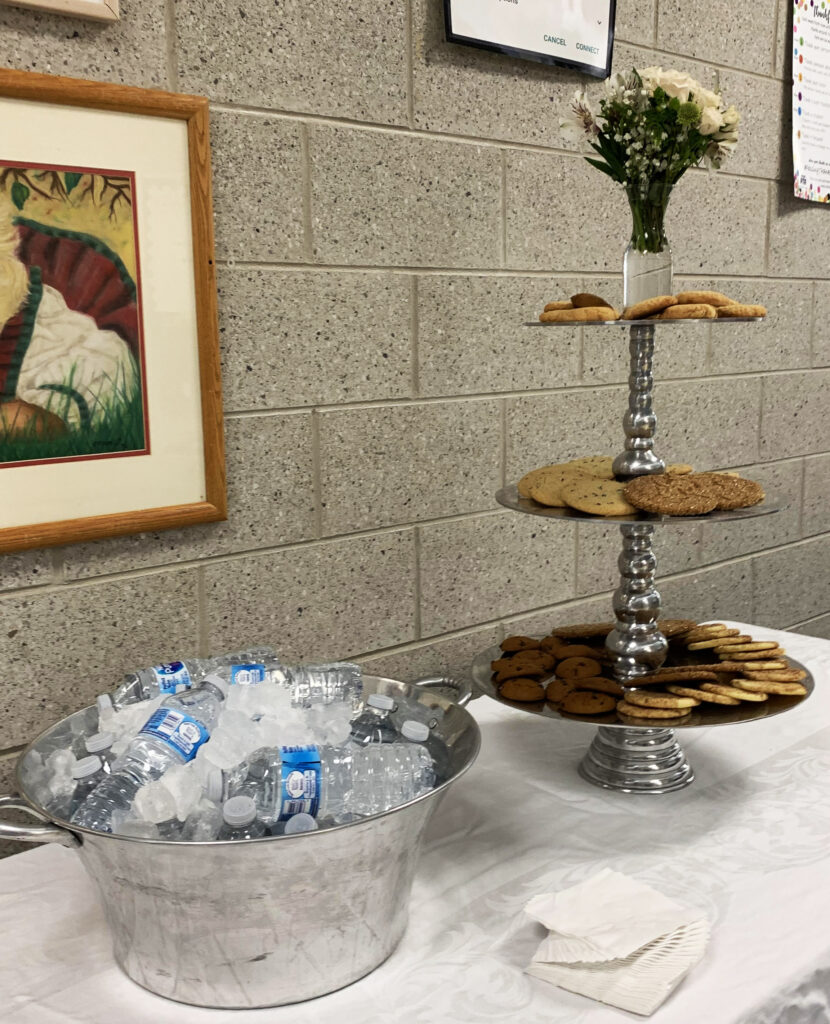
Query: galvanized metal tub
{"points": [[263, 922]]}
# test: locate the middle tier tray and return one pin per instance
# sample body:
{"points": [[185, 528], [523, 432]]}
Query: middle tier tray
{"points": [[509, 497]]}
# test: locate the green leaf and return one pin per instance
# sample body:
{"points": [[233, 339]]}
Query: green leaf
{"points": [[71, 179], [20, 193], [600, 166]]}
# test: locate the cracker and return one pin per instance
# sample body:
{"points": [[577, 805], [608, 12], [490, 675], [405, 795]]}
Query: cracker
{"points": [[559, 305], [586, 314], [689, 311], [674, 627], [583, 702], [679, 674], [601, 466], [648, 307], [586, 299], [718, 641], [732, 492], [578, 668], [733, 691], [741, 309], [597, 497], [659, 700], [638, 711], [775, 652], [747, 648], [702, 695], [679, 468], [708, 298], [558, 689], [789, 675], [758, 666], [731, 638], [670, 495], [523, 690], [519, 643], [777, 689]]}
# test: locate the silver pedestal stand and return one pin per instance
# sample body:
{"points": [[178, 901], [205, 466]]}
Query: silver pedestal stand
{"points": [[636, 759]]}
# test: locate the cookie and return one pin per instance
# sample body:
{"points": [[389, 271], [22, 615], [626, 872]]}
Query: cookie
{"points": [[678, 674], [583, 630], [578, 668], [648, 307], [675, 627], [741, 309], [702, 695], [554, 471], [679, 468], [707, 629], [638, 711], [659, 700], [583, 702], [598, 684], [597, 497], [583, 300], [519, 643], [777, 689], [669, 495], [577, 651], [585, 314], [726, 690], [524, 690], [718, 641], [775, 652], [553, 645], [601, 466], [732, 491], [560, 305], [689, 311], [708, 298], [789, 675], [746, 648], [776, 665], [516, 670], [547, 487], [558, 689]]}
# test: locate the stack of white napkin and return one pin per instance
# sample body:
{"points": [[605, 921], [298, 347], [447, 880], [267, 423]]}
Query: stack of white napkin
{"points": [[617, 940]]}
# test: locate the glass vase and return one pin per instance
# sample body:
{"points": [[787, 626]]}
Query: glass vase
{"points": [[647, 263]]}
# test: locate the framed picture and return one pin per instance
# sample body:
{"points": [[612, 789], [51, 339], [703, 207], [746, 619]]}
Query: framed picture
{"points": [[110, 388], [99, 10], [577, 35]]}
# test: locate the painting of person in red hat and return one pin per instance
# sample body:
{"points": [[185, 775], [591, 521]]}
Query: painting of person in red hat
{"points": [[70, 328]]}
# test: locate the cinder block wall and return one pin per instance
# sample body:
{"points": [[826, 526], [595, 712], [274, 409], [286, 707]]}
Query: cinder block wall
{"points": [[389, 209]]}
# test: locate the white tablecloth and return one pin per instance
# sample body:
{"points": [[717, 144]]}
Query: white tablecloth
{"points": [[749, 841]]}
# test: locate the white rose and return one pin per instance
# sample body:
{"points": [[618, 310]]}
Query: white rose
{"points": [[650, 77], [706, 98], [731, 117], [678, 83], [710, 121]]}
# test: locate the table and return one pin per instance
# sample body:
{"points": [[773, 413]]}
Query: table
{"points": [[749, 841]]}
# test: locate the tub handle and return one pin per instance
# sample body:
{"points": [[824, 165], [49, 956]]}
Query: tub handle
{"points": [[459, 691], [47, 833]]}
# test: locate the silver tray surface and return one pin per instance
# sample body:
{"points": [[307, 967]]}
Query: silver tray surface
{"points": [[509, 497], [649, 323], [715, 714]]}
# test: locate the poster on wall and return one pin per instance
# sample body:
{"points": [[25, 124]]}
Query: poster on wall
{"points": [[572, 33], [811, 100]]}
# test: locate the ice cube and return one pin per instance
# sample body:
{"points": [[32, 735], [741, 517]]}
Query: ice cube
{"points": [[185, 787], [154, 802]]}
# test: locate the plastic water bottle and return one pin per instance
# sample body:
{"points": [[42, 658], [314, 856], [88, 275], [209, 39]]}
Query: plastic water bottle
{"points": [[86, 774], [172, 735], [106, 712], [300, 823], [173, 675], [324, 684], [420, 732], [101, 744], [374, 723], [410, 709], [221, 784], [240, 820]]}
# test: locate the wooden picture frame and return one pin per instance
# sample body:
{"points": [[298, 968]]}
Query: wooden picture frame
{"points": [[160, 145], [97, 10]]}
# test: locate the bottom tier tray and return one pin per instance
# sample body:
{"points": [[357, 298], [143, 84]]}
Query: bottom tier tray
{"points": [[635, 758]]}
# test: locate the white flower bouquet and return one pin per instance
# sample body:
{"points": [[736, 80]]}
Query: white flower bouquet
{"points": [[651, 127]]}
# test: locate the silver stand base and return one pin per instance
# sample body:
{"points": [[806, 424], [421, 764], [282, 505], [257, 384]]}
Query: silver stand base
{"points": [[636, 761]]}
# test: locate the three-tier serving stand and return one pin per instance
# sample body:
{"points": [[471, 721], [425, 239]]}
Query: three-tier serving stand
{"points": [[626, 757]]}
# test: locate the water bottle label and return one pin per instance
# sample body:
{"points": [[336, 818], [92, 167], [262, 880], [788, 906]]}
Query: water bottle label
{"points": [[300, 781], [248, 673], [171, 675], [179, 731]]}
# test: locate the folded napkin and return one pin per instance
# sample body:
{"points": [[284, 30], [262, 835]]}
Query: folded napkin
{"points": [[617, 940]]}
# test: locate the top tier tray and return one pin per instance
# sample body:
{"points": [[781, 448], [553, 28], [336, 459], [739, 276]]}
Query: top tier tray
{"points": [[647, 323]]}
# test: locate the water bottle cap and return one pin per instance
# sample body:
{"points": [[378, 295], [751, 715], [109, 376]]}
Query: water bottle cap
{"points": [[103, 702], [381, 701], [100, 741], [415, 731], [300, 823], [239, 810], [218, 682], [214, 784], [86, 766]]}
